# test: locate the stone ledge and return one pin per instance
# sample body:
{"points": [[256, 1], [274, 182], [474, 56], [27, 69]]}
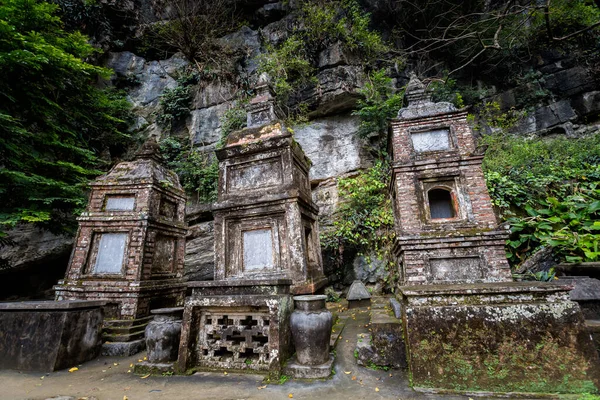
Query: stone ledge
{"points": [[52, 305], [483, 288]]}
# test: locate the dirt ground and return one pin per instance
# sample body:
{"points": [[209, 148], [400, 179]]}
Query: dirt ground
{"points": [[110, 378]]}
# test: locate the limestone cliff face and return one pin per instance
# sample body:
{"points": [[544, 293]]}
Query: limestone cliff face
{"points": [[329, 138]]}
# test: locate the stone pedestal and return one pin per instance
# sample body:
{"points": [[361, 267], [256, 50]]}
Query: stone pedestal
{"points": [[237, 325], [498, 337], [49, 335]]}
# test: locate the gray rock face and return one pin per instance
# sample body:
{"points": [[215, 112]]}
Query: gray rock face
{"points": [[333, 146], [587, 103], [153, 77], [367, 270], [33, 245], [204, 125], [335, 55], [199, 261], [555, 115], [337, 90], [214, 93], [569, 82]]}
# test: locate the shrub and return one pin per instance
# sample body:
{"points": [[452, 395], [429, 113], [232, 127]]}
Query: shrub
{"points": [[54, 119], [378, 105], [364, 219], [548, 192]]}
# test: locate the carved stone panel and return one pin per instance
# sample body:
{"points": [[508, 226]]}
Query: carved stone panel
{"points": [[230, 339], [164, 255], [256, 174], [456, 269], [119, 203], [258, 249], [434, 140], [110, 253]]}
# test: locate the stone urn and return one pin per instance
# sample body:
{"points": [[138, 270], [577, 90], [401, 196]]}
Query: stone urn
{"points": [[162, 335], [311, 325]]}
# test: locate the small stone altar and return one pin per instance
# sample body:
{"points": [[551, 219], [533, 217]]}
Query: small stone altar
{"points": [[467, 326], [129, 248], [49, 335], [266, 249]]}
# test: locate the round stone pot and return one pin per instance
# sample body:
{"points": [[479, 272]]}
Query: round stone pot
{"points": [[162, 335], [311, 325]]}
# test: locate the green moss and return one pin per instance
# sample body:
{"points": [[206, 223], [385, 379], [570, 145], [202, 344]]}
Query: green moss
{"points": [[468, 363]]}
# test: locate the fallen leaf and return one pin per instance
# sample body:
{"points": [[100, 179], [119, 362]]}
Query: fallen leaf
{"points": [[290, 395], [74, 369], [131, 365], [42, 377], [353, 378], [347, 372], [346, 340], [262, 387], [224, 372], [377, 389], [125, 398], [140, 360], [145, 376], [145, 358], [128, 371], [115, 364], [103, 370]]}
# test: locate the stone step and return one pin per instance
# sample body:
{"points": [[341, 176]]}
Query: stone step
{"points": [[107, 337], [122, 323], [124, 330], [384, 344]]}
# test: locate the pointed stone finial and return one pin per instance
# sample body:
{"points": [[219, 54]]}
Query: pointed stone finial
{"points": [[150, 150], [261, 109], [420, 102], [416, 91]]}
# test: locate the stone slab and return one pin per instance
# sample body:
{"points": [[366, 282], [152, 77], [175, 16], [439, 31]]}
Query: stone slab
{"points": [[299, 371], [396, 308], [49, 339], [52, 305]]}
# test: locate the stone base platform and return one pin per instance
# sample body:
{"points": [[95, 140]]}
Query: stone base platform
{"points": [[246, 329], [49, 335], [498, 337], [298, 371]]}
